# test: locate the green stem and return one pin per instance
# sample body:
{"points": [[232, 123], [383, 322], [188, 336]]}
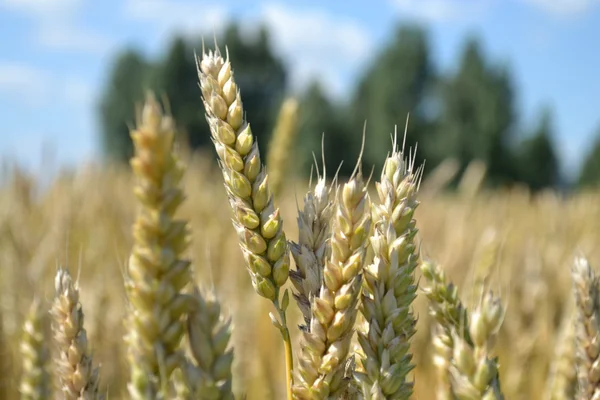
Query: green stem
{"points": [[289, 356]]}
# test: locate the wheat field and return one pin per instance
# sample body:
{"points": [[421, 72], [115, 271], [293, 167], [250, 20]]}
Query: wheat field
{"points": [[83, 221]]}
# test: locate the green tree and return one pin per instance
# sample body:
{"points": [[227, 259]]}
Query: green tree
{"points": [[318, 117], [590, 171], [538, 163], [125, 90], [477, 117], [396, 84]]}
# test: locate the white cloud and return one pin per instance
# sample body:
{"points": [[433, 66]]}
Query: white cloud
{"points": [[564, 7], [317, 44], [23, 82], [443, 10], [72, 38], [168, 16]]}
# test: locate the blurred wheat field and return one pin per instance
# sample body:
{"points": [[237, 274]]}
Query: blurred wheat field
{"points": [[83, 220]]}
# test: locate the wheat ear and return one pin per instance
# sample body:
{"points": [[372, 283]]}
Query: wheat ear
{"points": [[312, 249], [156, 272], [35, 379], [389, 285], [321, 366], [208, 375], [474, 375], [587, 298], [442, 359], [78, 379], [281, 145], [255, 218]]}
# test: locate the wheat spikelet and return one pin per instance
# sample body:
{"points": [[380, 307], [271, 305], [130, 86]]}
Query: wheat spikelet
{"points": [[156, 272], [256, 220], [281, 145], [312, 249], [389, 286], [474, 376], [35, 379], [78, 379], [322, 360], [442, 359], [444, 304], [208, 376], [586, 290]]}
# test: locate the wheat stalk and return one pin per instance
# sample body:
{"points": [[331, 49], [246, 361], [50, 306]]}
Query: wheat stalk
{"points": [[35, 379], [388, 285], [321, 367], [255, 218], [312, 249], [587, 297], [208, 375], [156, 272], [78, 379]]}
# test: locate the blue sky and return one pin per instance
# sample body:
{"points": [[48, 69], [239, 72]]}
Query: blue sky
{"points": [[54, 55]]}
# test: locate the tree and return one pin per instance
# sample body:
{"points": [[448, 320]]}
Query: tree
{"points": [[260, 76], [396, 84], [318, 117], [590, 171], [477, 116], [125, 89], [538, 164]]}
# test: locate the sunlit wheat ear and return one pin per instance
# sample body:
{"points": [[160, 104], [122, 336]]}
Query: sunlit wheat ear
{"points": [[324, 349], [442, 359], [312, 249], [256, 220], [587, 300], [281, 147], [35, 377], [207, 376], [389, 284], [77, 377], [445, 305], [562, 379], [157, 272], [473, 374]]}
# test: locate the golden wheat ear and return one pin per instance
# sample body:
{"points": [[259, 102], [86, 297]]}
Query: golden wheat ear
{"points": [[157, 273], [77, 377], [389, 287], [35, 355]]}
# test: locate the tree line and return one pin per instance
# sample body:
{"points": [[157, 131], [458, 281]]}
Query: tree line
{"points": [[466, 114]]}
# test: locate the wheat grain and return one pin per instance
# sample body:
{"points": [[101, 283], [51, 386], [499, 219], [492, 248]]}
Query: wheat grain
{"points": [[35, 377], [78, 379], [322, 360], [156, 272]]}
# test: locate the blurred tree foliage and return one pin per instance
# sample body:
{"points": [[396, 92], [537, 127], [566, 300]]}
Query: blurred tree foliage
{"points": [[590, 172], [538, 163], [260, 75], [467, 114], [398, 82]]}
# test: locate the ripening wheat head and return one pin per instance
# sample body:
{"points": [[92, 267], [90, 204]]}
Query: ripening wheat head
{"points": [[156, 272], [389, 285], [207, 376], [78, 379], [312, 249], [321, 365], [587, 297], [256, 220], [35, 378]]}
